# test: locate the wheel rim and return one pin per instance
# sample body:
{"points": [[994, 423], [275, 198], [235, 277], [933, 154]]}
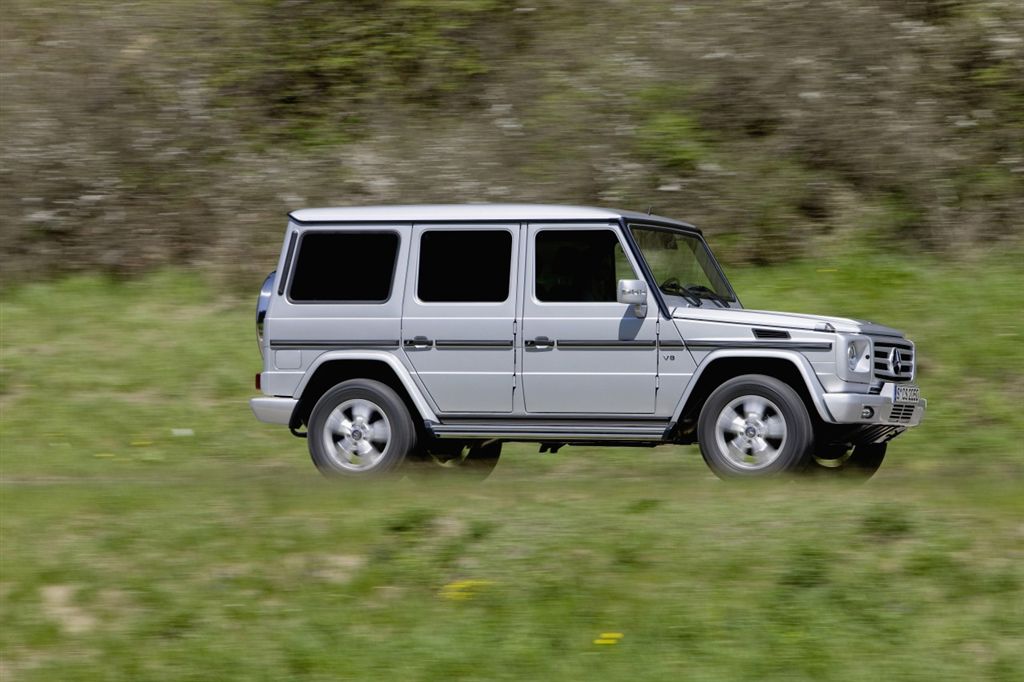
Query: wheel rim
{"points": [[751, 432], [357, 435]]}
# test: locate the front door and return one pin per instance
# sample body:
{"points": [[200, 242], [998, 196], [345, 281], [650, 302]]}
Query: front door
{"points": [[583, 352], [458, 315]]}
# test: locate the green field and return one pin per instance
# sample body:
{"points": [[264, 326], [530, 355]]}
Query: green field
{"points": [[132, 553]]}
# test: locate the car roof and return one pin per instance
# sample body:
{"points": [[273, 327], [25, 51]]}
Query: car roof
{"points": [[441, 213]]}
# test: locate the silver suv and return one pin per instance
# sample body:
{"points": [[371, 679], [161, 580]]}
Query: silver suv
{"points": [[437, 333]]}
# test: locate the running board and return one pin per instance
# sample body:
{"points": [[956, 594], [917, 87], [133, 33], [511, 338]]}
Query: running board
{"points": [[555, 432]]}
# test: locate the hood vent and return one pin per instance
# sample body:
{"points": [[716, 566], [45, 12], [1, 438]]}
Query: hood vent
{"points": [[771, 334]]}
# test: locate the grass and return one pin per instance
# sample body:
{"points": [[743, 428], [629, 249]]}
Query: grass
{"points": [[132, 553]]}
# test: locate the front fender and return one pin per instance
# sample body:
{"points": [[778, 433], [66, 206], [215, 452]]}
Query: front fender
{"points": [[802, 364], [393, 362]]}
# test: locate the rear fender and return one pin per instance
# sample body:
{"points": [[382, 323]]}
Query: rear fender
{"points": [[424, 409]]}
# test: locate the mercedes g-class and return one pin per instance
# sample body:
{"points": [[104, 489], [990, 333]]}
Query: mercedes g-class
{"points": [[437, 333]]}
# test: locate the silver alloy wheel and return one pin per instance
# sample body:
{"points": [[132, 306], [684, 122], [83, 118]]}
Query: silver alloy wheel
{"points": [[356, 435], [750, 432]]}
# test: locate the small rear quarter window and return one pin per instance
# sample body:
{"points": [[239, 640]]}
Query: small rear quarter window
{"points": [[344, 267]]}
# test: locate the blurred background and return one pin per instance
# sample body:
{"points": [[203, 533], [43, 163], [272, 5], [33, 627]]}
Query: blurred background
{"points": [[858, 157], [147, 133]]}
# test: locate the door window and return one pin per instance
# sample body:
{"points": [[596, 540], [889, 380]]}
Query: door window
{"points": [[464, 266], [579, 266]]}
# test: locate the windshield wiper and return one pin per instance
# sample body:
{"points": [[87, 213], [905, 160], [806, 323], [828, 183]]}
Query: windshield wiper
{"points": [[701, 291], [674, 288]]}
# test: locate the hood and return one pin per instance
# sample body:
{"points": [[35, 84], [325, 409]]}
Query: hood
{"points": [[767, 318]]}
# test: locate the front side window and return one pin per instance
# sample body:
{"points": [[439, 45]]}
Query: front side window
{"points": [[681, 264], [344, 267], [464, 266], [579, 266]]}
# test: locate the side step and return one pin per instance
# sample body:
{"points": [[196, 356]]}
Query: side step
{"points": [[562, 431]]}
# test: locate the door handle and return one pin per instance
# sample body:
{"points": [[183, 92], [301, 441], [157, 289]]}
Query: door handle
{"points": [[539, 342], [418, 342]]}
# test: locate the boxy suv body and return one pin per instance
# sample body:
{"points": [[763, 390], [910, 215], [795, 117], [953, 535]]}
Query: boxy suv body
{"points": [[436, 333]]}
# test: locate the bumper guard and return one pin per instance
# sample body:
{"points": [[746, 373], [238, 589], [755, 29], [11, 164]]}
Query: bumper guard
{"points": [[869, 408]]}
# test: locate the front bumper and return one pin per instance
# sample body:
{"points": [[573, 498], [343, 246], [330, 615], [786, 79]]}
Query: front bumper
{"points": [[848, 408], [273, 410]]}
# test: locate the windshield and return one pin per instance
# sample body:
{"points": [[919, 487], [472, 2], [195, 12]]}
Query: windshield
{"points": [[682, 265]]}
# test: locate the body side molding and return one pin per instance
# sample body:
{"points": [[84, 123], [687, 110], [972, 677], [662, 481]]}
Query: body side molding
{"points": [[472, 343], [714, 344], [551, 431], [333, 345], [600, 345]]}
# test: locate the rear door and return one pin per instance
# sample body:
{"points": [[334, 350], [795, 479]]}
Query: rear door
{"points": [[459, 314]]}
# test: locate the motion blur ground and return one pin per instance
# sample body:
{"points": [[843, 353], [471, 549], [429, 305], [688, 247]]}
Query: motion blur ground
{"points": [[151, 531]]}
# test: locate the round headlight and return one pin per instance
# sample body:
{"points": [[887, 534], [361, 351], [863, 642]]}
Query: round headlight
{"points": [[852, 357]]}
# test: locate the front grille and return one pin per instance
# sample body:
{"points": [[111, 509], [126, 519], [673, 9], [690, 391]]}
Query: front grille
{"points": [[884, 347], [901, 413]]}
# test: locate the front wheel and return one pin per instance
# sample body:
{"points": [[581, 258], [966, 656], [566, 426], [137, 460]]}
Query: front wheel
{"points": [[754, 426]]}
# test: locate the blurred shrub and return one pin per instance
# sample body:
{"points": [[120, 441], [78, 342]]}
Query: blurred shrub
{"points": [[673, 140], [136, 135], [313, 72]]}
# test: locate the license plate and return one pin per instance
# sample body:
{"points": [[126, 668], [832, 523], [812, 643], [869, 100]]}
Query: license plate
{"points": [[907, 394]]}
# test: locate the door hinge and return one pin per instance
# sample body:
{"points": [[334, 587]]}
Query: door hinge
{"points": [[657, 382]]}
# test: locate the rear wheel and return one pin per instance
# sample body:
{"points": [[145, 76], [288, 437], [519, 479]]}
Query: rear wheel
{"points": [[754, 426], [860, 462], [360, 428]]}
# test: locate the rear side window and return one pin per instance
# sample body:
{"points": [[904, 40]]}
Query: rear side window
{"points": [[579, 266], [464, 266], [344, 267]]}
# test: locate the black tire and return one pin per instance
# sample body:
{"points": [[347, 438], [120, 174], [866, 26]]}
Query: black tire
{"points": [[346, 397], [725, 456], [858, 464], [474, 460]]}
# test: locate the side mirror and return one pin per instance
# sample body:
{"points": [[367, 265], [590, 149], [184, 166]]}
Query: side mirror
{"points": [[633, 292]]}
